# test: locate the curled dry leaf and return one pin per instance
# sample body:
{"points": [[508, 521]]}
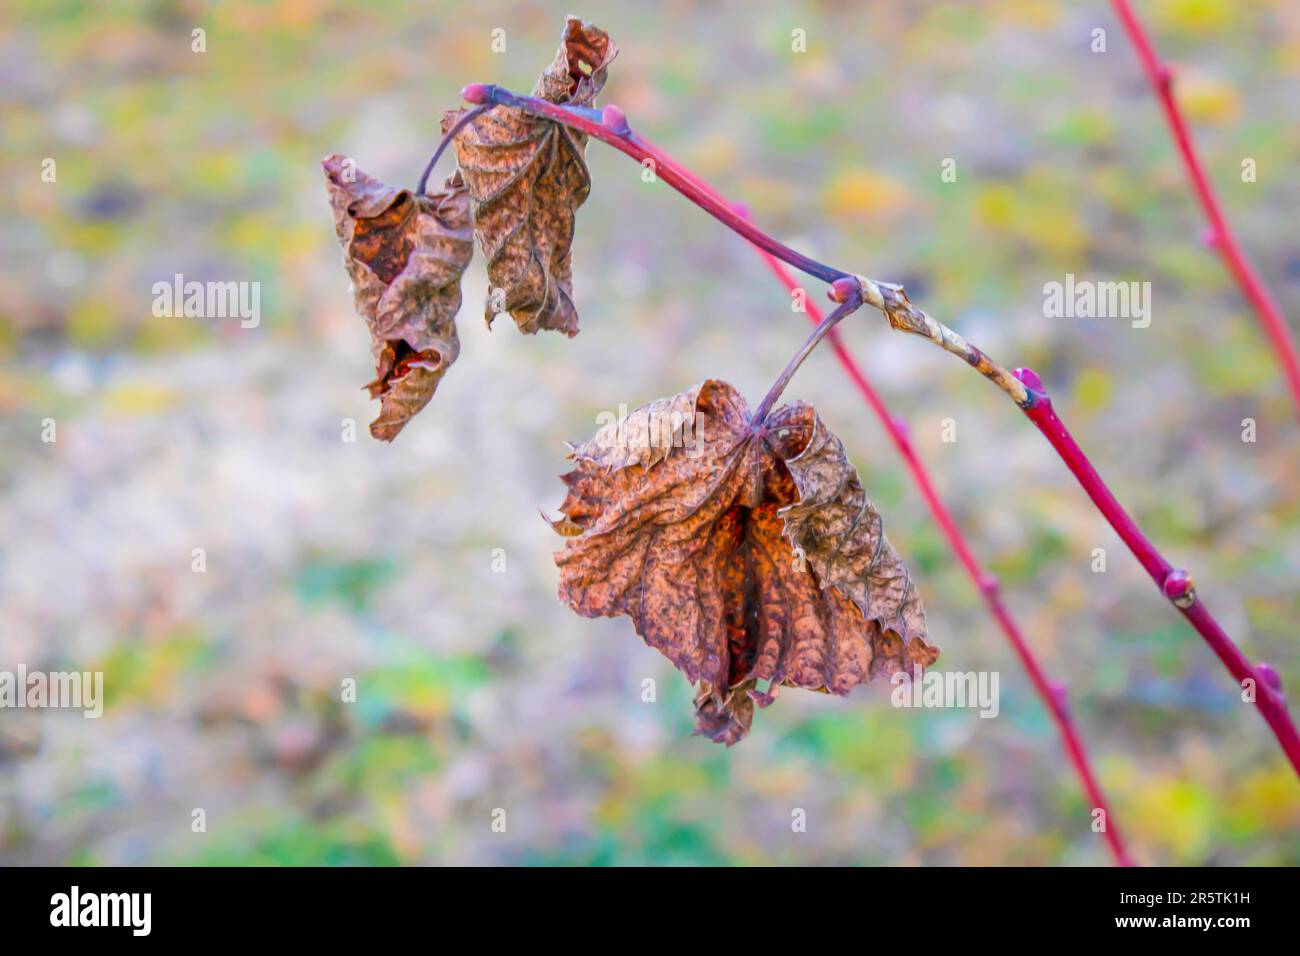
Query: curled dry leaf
{"points": [[741, 552], [405, 254], [526, 177]]}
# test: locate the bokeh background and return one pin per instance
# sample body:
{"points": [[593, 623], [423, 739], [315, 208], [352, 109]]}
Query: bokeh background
{"points": [[329, 560]]}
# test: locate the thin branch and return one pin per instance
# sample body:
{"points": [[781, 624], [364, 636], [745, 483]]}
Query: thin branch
{"points": [[468, 117], [1270, 316], [611, 126], [1260, 680], [890, 299], [824, 327]]}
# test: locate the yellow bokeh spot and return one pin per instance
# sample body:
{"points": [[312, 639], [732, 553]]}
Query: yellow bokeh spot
{"points": [[1201, 17], [90, 323], [1270, 797], [1092, 390], [1037, 213], [714, 154], [995, 206], [249, 231], [1176, 815], [1205, 99], [862, 192], [1029, 14], [1287, 54], [140, 398]]}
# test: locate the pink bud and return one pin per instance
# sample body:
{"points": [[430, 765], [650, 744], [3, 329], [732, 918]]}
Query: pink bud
{"points": [[841, 289], [477, 93], [615, 119], [1178, 587], [1029, 378], [1271, 676]]}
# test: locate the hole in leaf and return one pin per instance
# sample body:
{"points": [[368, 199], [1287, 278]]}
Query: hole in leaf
{"points": [[396, 360]]}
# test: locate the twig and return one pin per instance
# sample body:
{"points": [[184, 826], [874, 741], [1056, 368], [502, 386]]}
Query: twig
{"points": [[468, 117], [611, 127], [1175, 583], [825, 326], [1270, 316], [890, 299]]}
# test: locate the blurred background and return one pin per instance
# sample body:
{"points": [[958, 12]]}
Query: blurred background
{"points": [[329, 560]]}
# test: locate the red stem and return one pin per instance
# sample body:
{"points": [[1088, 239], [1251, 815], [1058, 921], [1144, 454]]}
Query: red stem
{"points": [[469, 117], [1252, 286], [611, 127], [1175, 583], [1052, 694], [825, 326]]}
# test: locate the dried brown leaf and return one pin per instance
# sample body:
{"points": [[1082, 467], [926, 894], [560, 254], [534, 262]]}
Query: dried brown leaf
{"points": [[741, 553], [406, 255], [527, 176]]}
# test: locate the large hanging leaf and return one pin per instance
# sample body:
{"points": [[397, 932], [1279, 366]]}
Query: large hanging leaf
{"points": [[405, 254], [526, 177], [741, 553]]}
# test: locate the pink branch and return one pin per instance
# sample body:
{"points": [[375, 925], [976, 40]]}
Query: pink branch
{"points": [[1025, 388], [1175, 583], [1052, 694], [610, 127], [1248, 280]]}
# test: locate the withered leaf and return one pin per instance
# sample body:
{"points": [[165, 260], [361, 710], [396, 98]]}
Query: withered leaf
{"points": [[406, 255], [527, 176], [742, 552]]}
